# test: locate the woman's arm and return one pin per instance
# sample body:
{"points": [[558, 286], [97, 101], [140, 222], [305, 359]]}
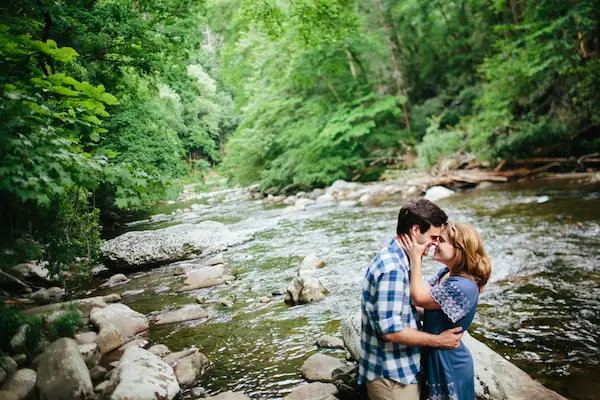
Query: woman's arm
{"points": [[419, 291]]}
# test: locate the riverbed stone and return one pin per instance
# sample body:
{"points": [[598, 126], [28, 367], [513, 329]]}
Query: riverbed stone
{"points": [[186, 313], [22, 383], [9, 365], [190, 369], [330, 342], [117, 324], [173, 358], [33, 271], [175, 243], [304, 289], [98, 373], [160, 350], [84, 305], [18, 340], [204, 277], [101, 388], [436, 193], [214, 260], [230, 396], [116, 280], [319, 367], [313, 391], [20, 359], [6, 395], [62, 373], [91, 354], [345, 379], [86, 337], [48, 296], [142, 375], [111, 359], [161, 289], [131, 293], [310, 263]]}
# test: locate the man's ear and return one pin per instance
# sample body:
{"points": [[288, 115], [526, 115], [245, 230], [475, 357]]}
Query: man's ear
{"points": [[415, 230]]}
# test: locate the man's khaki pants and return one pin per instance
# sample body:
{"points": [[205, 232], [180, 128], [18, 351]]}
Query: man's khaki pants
{"points": [[387, 389]]}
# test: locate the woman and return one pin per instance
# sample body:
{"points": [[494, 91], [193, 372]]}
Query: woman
{"points": [[450, 300]]}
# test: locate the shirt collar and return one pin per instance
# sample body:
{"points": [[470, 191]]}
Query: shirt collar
{"points": [[395, 246]]}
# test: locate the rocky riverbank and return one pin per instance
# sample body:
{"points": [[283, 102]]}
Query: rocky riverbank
{"points": [[114, 346]]}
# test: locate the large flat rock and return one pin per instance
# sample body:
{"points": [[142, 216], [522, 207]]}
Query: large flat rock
{"points": [[175, 243], [495, 377], [142, 375]]}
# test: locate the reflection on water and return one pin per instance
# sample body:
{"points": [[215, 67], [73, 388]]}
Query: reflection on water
{"points": [[541, 308]]}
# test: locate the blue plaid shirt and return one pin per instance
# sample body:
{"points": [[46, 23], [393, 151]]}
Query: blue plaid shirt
{"points": [[386, 308]]}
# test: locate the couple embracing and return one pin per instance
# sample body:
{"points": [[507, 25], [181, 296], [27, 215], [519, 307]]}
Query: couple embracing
{"points": [[402, 358]]}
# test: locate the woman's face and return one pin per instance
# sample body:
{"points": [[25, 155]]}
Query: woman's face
{"points": [[444, 251]]}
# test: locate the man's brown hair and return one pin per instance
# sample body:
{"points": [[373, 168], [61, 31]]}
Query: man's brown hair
{"points": [[423, 213]]}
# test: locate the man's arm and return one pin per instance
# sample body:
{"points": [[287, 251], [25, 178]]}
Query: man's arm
{"points": [[449, 339]]}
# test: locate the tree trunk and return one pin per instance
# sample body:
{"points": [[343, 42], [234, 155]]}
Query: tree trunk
{"points": [[396, 73]]}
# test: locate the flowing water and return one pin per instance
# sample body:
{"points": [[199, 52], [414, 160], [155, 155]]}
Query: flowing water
{"points": [[541, 309]]}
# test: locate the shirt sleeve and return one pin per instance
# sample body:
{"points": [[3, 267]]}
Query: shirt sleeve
{"points": [[453, 298], [391, 289]]}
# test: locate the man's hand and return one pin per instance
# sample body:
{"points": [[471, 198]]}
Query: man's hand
{"points": [[450, 339]]}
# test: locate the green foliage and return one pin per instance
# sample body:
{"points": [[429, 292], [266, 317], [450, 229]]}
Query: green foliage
{"points": [[73, 235], [10, 321], [66, 325], [51, 122], [438, 144]]}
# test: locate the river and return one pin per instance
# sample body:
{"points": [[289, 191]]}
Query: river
{"points": [[541, 309]]}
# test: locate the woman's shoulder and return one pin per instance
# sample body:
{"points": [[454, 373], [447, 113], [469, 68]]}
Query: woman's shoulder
{"points": [[435, 279]]}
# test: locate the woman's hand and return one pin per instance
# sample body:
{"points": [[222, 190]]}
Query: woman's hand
{"points": [[413, 250]]}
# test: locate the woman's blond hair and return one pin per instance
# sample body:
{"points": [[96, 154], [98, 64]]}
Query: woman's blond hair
{"points": [[470, 260]]}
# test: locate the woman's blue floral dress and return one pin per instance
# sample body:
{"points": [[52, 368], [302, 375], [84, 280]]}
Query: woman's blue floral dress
{"points": [[448, 374]]}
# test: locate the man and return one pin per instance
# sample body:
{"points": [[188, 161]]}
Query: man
{"points": [[390, 340]]}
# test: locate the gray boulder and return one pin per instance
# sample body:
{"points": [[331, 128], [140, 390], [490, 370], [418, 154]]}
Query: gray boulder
{"points": [[18, 341], [62, 373], [204, 277], [436, 193], [186, 313], [48, 296], [319, 367], [174, 358], [84, 305], [142, 376], [6, 395], [313, 391], [190, 369], [115, 280], [91, 354], [175, 243], [310, 263], [22, 383], [159, 350], [330, 342], [304, 289], [32, 271], [86, 337], [118, 324]]}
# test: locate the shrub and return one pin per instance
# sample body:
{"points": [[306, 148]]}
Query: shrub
{"points": [[66, 325]]}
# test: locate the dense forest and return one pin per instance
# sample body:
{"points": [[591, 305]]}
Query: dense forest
{"points": [[111, 105]]}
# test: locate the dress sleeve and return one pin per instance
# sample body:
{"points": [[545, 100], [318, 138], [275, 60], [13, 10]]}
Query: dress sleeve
{"points": [[434, 280], [391, 289], [454, 296]]}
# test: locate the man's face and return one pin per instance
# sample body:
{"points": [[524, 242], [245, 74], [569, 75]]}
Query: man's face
{"points": [[429, 238]]}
